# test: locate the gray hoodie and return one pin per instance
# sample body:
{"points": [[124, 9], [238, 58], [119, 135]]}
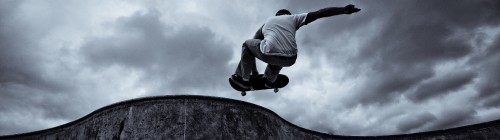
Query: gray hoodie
{"points": [[279, 35]]}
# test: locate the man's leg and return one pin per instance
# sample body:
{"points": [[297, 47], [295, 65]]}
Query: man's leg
{"points": [[275, 64], [239, 70], [247, 62], [272, 72], [251, 50]]}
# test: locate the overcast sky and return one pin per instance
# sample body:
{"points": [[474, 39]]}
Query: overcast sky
{"points": [[397, 66]]}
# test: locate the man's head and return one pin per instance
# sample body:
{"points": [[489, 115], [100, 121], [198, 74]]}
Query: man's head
{"points": [[283, 12]]}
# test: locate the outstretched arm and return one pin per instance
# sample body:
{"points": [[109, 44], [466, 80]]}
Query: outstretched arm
{"points": [[331, 11]]}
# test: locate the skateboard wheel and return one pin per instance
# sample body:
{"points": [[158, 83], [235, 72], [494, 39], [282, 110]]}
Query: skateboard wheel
{"points": [[243, 93], [276, 90]]}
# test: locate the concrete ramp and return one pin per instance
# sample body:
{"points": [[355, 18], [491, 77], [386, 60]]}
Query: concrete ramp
{"points": [[202, 117]]}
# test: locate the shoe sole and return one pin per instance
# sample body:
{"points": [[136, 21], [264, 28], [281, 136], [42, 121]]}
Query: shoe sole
{"points": [[267, 86], [239, 84]]}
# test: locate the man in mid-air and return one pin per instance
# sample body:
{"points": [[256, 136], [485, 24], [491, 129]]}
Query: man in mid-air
{"points": [[274, 43]]}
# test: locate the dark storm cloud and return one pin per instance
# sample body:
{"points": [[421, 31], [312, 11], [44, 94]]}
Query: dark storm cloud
{"points": [[24, 83], [384, 87], [414, 40], [488, 63], [16, 63], [182, 57], [489, 86], [416, 122], [441, 86], [453, 118]]}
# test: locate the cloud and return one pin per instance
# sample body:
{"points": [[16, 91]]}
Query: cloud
{"points": [[27, 90], [453, 117], [489, 86], [181, 57], [439, 86], [406, 50], [415, 122]]}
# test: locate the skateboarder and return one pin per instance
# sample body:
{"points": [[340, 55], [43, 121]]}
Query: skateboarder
{"points": [[274, 43]]}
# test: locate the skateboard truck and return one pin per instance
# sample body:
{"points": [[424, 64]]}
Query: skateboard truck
{"points": [[243, 93]]}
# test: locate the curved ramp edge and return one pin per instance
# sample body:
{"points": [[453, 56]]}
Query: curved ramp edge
{"points": [[205, 117]]}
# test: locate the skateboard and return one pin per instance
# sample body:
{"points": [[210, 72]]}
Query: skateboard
{"points": [[257, 83]]}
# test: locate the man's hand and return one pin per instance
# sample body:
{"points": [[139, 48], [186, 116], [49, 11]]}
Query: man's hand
{"points": [[349, 9]]}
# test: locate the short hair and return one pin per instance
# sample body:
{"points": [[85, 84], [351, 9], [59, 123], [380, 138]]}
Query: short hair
{"points": [[283, 12]]}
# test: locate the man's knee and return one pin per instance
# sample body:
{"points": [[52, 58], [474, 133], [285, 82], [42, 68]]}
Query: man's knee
{"points": [[288, 63], [251, 42]]}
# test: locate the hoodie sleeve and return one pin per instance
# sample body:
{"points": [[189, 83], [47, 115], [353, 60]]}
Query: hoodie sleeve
{"points": [[300, 19], [258, 34], [325, 12]]}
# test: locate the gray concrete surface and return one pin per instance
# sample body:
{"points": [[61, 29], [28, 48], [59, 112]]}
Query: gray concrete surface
{"points": [[202, 117]]}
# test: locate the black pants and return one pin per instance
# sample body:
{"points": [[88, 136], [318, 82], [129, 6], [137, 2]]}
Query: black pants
{"points": [[251, 50]]}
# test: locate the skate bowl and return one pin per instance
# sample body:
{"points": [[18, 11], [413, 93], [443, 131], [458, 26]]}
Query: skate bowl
{"points": [[204, 117]]}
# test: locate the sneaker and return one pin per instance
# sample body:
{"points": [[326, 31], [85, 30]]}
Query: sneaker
{"points": [[238, 80], [268, 83]]}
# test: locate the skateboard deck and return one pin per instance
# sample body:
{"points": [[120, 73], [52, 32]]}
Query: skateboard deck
{"points": [[257, 83]]}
